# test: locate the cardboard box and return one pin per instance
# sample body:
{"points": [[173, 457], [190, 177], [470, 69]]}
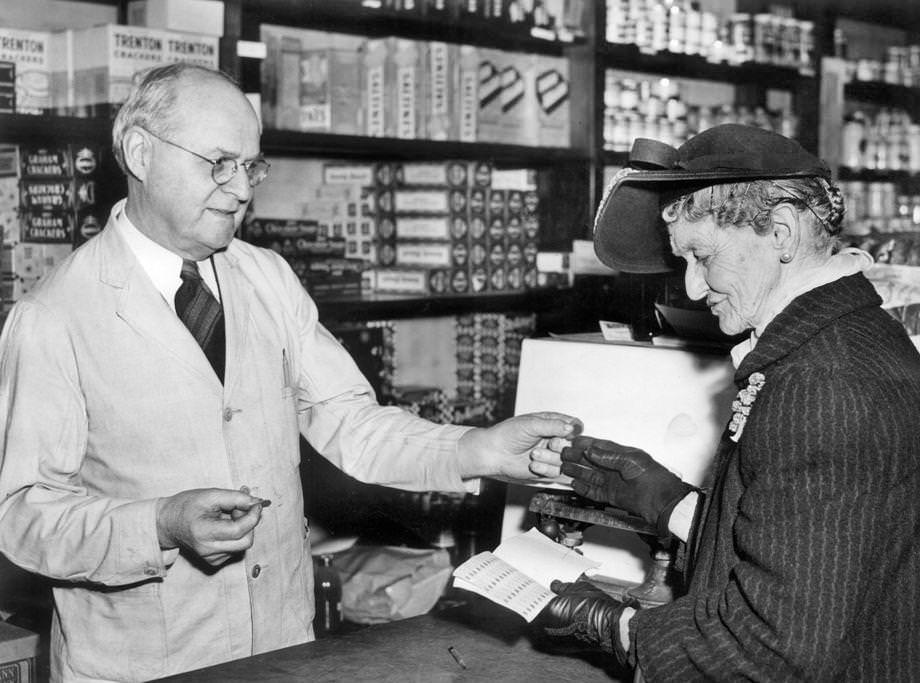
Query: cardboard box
{"points": [[551, 96], [311, 80], [374, 88], [442, 90], [194, 16], [98, 65], [468, 105], [408, 88], [30, 52]]}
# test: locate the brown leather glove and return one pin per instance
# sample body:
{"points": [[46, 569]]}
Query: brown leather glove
{"points": [[583, 617], [624, 477]]}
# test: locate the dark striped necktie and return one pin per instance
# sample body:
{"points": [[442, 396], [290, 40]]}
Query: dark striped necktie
{"points": [[202, 315]]}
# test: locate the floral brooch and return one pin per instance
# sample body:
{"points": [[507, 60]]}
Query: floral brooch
{"points": [[741, 406]]}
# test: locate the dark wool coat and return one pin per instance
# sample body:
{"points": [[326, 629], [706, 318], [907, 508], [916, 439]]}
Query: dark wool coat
{"points": [[807, 556]]}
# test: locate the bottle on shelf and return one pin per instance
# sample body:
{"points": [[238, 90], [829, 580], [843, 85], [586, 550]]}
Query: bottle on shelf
{"points": [[327, 590]]}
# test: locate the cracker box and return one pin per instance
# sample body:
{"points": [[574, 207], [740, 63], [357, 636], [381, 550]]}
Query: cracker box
{"points": [[30, 52], [551, 96], [47, 226], [311, 80], [441, 70], [7, 88], [98, 65], [45, 162], [374, 84], [194, 16], [468, 94], [408, 88]]}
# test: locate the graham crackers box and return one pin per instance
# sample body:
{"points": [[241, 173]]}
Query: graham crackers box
{"points": [[30, 53]]}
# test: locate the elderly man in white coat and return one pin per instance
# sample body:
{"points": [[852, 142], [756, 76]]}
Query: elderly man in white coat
{"points": [[154, 388]]}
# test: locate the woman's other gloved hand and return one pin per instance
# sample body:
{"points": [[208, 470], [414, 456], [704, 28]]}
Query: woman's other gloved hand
{"points": [[582, 617]]}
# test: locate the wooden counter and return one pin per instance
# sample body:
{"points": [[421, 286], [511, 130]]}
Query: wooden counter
{"points": [[492, 642]]}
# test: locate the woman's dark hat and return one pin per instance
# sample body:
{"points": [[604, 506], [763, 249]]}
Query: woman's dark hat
{"points": [[629, 233]]}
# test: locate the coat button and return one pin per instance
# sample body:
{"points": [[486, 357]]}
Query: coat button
{"points": [[256, 570], [228, 414]]}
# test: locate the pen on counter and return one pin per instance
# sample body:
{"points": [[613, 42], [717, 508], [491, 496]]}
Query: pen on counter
{"points": [[456, 656]]}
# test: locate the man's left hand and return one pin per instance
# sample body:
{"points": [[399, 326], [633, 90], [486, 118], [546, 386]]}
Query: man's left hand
{"points": [[521, 447]]}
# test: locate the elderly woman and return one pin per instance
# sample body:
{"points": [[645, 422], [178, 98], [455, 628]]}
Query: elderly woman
{"points": [[803, 553]]}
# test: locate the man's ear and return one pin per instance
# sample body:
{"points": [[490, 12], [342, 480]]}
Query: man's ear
{"points": [[786, 229], [136, 146]]}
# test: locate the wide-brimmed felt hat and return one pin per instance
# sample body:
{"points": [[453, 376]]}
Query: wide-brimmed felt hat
{"points": [[629, 232]]}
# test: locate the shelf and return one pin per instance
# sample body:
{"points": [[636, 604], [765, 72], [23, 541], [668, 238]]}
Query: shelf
{"points": [[870, 176], [292, 143], [883, 94], [628, 57], [23, 128], [350, 17], [387, 306]]}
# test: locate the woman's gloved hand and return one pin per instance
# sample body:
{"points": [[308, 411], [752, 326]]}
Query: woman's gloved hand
{"points": [[624, 477], [583, 617]]}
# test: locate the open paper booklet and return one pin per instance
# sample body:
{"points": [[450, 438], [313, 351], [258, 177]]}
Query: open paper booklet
{"points": [[518, 574]]}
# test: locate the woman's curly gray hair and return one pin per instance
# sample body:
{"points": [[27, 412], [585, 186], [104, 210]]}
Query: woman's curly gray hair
{"points": [[752, 203]]}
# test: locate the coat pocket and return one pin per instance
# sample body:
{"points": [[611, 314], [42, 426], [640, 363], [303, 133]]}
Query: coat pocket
{"points": [[113, 634]]}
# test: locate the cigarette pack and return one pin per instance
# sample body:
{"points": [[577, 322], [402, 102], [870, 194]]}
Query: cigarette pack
{"points": [[311, 80], [30, 52], [194, 16]]}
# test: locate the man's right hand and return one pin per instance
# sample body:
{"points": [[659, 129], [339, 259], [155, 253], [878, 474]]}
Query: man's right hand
{"points": [[213, 524]]}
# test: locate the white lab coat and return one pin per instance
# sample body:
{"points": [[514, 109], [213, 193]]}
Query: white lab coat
{"points": [[108, 403]]}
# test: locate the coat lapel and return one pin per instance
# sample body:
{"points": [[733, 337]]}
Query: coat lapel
{"points": [[143, 308]]}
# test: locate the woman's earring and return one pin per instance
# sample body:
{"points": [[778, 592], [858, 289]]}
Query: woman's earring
{"points": [[785, 258]]}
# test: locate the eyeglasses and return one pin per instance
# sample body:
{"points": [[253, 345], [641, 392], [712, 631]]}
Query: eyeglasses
{"points": [[224, 168]]}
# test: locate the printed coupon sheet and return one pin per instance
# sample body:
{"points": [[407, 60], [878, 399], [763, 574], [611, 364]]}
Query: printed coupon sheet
{"points": [[518, 574]]}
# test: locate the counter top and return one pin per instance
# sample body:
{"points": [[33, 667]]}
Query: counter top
{"points": [[492, 642]]}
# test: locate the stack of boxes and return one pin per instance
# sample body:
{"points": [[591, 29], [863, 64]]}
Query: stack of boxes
{"points": [[455, 228], [315, 81], [48, 206], [81, 72], [488, 356], [316, 257]]}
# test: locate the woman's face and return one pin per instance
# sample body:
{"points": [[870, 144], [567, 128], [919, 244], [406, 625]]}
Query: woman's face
{"points": [[734, 268]]}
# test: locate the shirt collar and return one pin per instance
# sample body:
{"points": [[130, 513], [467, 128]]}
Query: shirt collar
{"points": [[161, 265], [848, 261]]}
